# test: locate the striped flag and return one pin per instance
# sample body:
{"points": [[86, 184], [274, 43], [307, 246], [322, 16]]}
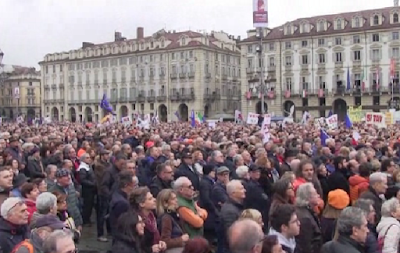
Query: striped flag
{"points": [[320, 93], [304, 93]]}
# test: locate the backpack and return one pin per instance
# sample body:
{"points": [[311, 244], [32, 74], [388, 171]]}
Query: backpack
{"points": [[27, 244], [381, 240]]}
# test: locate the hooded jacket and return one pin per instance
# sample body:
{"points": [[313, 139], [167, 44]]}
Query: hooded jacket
{"points": [[11, 235], [36, 242], [288, 245]]}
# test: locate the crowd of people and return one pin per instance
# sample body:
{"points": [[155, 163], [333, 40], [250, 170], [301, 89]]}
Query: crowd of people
{"points": [[175, 188]]}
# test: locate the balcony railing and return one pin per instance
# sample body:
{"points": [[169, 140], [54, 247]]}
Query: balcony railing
{"points": [[151, 98]]}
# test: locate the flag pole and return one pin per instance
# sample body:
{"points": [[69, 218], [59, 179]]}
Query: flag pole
{"points": [[392, 77]]}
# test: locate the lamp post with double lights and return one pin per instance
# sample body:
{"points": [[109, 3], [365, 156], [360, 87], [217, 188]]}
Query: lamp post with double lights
{"points": [[260, 52]]}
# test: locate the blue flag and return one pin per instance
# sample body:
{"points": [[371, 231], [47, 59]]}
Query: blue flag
{"points": [[324, 136], [193, 119], [348, 122], [105, 105], [177, 115], [330, 113], [348, 79]]}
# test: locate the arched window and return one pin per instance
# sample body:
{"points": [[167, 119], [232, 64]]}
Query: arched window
{"points": [[357, 22], [376, 20], [321, 26], [339, 24], [395, 18]]}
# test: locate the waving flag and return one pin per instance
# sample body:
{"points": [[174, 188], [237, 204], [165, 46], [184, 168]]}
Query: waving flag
{"points": [[347, 121], [177, 115], [324, 137], [105, 105], [330, 113], [192, 119]]}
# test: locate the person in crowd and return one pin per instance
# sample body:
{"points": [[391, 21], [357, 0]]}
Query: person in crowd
{"points": [[283, 194], [230, 212], [40, 184], [186, 170], [18, 182], [59, 241], [142, 202], [271, 245], [30, 192], [219, 195], [35, 166], [46, 203], [337, 201], [196, 245], [119, 202], [352, 228], [252, 214], [377, 186], [109, 181], [192, 216], [388, 228], [13, 223], [339, 178], [371, 243], [129, 233], [286, 226], [168, 221], [44, 226], [51, 175], [359, 183], [64, 185], [310, 238], [388, 167], [289, 156], [6, 184], [87, 180], [245, 236], [162, 180]]}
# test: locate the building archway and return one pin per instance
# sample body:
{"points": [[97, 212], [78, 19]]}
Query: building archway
{"points": [[286, 108], [206, 110], [31, 114], [340, 108], [54, 114], [183, 112], [11, 114], [88, 114], [123, 111], [162, 113], [72, 114], [258, 107]]}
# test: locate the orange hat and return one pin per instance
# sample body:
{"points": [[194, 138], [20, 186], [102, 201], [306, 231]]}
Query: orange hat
{"points": [[338, 199]]}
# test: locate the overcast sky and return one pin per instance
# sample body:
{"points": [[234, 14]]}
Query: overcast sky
{"points": [[29, 29]]}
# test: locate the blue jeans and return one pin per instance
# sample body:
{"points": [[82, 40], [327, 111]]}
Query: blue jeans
{"points": [[102, 211]]}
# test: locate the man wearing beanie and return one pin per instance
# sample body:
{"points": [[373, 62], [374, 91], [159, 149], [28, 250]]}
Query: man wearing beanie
{"points": [[337, 201]]}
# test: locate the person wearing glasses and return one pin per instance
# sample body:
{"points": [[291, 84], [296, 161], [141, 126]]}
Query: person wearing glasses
{"points": [[59, 241], [13, 223]]}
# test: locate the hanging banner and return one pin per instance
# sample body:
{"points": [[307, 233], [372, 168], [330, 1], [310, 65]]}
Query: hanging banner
{"points": [[355, 114], [260, 13], [332, 121]]}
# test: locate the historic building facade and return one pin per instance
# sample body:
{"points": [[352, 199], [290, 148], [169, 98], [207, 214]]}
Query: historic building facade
{"points": [[324, 63], [19, 92], [167, 72]]}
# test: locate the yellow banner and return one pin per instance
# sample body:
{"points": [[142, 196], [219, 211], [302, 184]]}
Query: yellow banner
{"points": [[355, 114], [389, 118]]}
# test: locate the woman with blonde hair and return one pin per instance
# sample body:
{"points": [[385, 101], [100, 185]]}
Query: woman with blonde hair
{"points": [[252, 214], [168, 221]]}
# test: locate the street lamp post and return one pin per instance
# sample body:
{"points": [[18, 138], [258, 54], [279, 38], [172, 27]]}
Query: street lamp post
{"points": [[260, 52]]}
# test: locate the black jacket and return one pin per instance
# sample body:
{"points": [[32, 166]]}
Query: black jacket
{"points": [[119, 204], [87, 178], [109, 181], [158, 185], [339, 180], [34, 169], [206, 186], [257, 199], [123, 245], [310, 238], [11, 235], [344, 244], [185, 171], [219, 195], [372, 195]]}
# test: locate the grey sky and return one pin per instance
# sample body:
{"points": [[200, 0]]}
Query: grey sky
{"points": [[29, 29]]}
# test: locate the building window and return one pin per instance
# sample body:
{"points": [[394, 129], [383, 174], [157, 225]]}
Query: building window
{"points": [[271, 46], [338, 41], [395, 52], [338, 57], [395, 35], [375, 55], [376, 20], [288, 61], [250, 49], [356, 22], [375, 37], [304, 43], [356, 39], [321, 26], [357, 55], [339, 24], [271, 61], [321, 58], [288, 45], [395, 18], [321, 42], [304, 59]]}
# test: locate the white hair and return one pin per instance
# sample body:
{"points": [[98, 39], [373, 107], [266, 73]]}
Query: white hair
{"points": [[232, 186], [241, 171], [303, 194], [45, 201], [50, 244], [377, 177], [83, 157], [179, 182], [8, 205], [389, 207]]}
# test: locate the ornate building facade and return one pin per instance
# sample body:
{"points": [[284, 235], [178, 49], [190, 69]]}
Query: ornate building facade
{"points": [[20, 92], [167, 72], [324, 63]]}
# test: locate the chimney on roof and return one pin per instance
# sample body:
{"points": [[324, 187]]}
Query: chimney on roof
{"points": [[87, 44], [117, 36], [396, 3], [140, 33]]}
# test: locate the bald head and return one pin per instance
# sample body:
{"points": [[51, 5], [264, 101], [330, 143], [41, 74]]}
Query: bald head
{"points": [[244, 235]]}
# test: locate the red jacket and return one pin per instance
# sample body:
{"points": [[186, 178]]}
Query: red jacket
{"points": [[31, 208]]}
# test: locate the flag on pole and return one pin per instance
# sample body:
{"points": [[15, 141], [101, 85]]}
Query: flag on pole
{"points": [[105, 105], [377, 78], [348, 79], [392, 68], [324, 137], [304, 93], [363, 80], [192, 119]]}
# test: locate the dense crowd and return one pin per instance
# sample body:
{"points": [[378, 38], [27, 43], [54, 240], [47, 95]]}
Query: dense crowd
{"points": [[176, 188]]}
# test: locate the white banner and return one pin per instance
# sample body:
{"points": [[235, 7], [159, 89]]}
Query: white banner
{"points": [[265, 131], [126, 121], [267, 119], [332, 121], [252, 118], [375, 118], [260, 13]]}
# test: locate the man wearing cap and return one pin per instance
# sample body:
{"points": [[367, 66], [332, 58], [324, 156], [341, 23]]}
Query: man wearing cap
{"points": [[64, 185], [44, 226], [13, 223], [186, 169], [219, 195]]}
